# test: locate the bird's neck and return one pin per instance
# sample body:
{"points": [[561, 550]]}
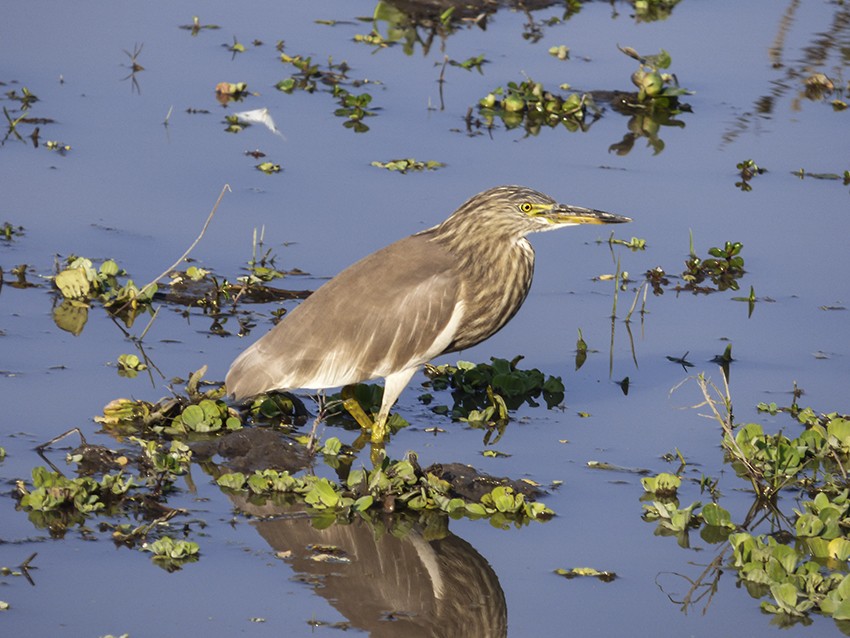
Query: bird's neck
{"points": [[495, 282]]}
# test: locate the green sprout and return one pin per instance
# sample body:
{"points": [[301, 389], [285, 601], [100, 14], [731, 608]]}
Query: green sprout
{"points": [[748, 169]]}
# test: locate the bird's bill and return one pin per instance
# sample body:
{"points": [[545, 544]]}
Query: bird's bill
{"points": [[565, 214]]}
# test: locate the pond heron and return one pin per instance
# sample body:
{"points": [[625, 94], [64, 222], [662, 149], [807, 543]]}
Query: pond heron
{"points": [[441, 290]]}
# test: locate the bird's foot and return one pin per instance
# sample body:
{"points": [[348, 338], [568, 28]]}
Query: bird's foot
{"points": [[378, 427], [379, 430]]}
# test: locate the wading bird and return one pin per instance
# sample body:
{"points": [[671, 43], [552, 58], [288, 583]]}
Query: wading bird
{"points": [[441, 290]]}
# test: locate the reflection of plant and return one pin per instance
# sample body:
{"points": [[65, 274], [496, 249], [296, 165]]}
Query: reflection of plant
{"points": [[353, 107], [723, 268], [8, 231], [134, 66], [172, 554], [656, 89], [844, 177], [748, 169], [226, 92], [52, 492], [196, 413], [801, 565], [652, 10], [129, 365], [310, 76], [413, 24], [80, 283], [196, 27], [483, 390], [401, 482], [529, 104], [799, 74], [409, 164], [654, 105], [409, 28], [26, 99]]}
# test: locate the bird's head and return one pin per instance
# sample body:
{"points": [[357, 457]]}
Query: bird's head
{"points": [[518, 211]]}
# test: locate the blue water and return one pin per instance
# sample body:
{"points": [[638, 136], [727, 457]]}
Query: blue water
{"points": [[138, 191]]}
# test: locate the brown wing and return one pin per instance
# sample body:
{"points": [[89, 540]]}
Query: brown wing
{"points": [[392, 310]]}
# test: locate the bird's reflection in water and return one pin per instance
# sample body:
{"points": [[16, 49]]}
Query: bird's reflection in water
{"points": [[391, 575], [389, 582]]}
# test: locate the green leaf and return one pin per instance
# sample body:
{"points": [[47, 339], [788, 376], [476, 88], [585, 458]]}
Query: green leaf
{"points": [[363, 503], [785, 556], [233, 480], [476, 509], [663, 483], [842, 610], [604, 576], [809, 525], [839, 430], [109, 268], [839, 548], [193, 416], [210, 409], [73, 283], [332, 446], [785, 594], [322, 494], [715, 515]]}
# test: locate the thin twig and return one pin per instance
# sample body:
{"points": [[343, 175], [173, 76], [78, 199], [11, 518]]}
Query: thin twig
{"points": [[150, 323], [59, 437], [321, 405], [726, 424], [225, 188], [25, 568], [442, 81], [634, 303]]}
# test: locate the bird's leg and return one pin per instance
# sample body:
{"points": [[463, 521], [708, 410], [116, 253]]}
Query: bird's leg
{"points": [[394, 383], [353, 407], [379, 428], [377, 454]]}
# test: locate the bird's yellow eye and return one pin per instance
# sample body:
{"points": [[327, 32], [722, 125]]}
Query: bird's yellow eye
{"points": [[525, 207]]}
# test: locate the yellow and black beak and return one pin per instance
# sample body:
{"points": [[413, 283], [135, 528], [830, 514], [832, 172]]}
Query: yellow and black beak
{"points": [[567, 214]]}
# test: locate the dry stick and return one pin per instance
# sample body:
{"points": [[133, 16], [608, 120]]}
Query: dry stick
{"points": [[226, 187], [25, 568], [634, 303], [150, 323], [726, 424], [320, 415], [628, 321], [59, 437], [252, 265], [614, 318], [442, 81]]}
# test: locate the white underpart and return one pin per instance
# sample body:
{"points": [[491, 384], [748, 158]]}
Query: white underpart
{"points": [[395, 382], [339, 368], [430, 562], [336, 370]]}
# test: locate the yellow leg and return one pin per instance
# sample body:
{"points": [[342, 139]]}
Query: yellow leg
{"points": [[379, 429], [353, 408], [378, 426]]}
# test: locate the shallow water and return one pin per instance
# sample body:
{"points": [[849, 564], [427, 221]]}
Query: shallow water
{"points": [[139, 191]]}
